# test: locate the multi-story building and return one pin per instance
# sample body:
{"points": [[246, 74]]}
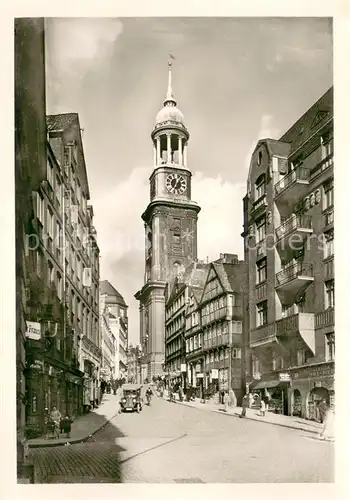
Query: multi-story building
{"points": [[30, 171], [289, 234], [134, 364], [170, 221], [177, 295], [109, 343], [118, 324], [221, 315], [63, 351]]}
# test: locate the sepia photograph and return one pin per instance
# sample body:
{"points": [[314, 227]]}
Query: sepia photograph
{"points": [[174, 218]]}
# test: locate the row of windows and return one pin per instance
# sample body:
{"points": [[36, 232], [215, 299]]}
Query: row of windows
{"points": [[328, 202], [300, 357], [223, 354], [262, 307], [215, 305], [175, 325], [328, 251], [175, 306], [260, 184]]}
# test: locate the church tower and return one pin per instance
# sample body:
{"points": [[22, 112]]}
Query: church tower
{"points": [[170, 222]]}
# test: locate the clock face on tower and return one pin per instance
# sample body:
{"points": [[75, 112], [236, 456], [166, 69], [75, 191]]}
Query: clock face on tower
{"points": [[176, 183]]}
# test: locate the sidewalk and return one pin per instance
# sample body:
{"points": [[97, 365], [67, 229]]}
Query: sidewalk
{"points": [[84, 426], [254, 414]]}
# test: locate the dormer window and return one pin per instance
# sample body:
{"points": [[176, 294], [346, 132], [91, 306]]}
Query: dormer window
{"points": [[260, 186], [259, 158]]}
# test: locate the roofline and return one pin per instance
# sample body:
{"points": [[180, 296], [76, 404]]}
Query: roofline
{"points": [[306, 112]]}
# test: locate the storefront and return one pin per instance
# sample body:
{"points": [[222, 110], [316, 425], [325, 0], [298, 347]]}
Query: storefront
{"points": [[275, 388], [309, 386], [48, 386]]}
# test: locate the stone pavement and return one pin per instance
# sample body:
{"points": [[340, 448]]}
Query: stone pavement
{"points": [[84, 426], [254, 414]]}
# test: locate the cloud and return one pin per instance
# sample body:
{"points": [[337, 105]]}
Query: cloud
{"points": [[267, 130], [120, 229], [221, 218], [80, 40]]}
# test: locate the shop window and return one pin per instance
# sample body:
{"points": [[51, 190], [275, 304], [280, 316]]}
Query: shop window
{"points": [[261, 310], [329, 292], [330, 347], [261, 271]]}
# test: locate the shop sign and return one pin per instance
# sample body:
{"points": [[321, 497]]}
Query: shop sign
{"points": [[199, 375], [183, 367], [322, 370], [33, 330], [257, 376], [198, 368], [284, 377], [214, 373]]}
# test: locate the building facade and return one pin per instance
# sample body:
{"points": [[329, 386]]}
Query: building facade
{"points": [[176, 300], [63, 345], [116, 314], [221, 317], [30, 171], [289, 235], [170, 222], [109, 343], [134, 365]]}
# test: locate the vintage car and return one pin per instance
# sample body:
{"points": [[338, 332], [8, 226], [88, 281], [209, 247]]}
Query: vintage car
{"points": [[131, 398]]}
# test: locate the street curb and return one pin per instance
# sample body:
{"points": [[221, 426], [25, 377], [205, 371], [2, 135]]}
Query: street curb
{"points": [[253, 419], [74, 441]]}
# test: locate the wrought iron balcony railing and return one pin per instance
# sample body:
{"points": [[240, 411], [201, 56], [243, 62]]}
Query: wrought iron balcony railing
{"points": [[292, 272], [299, 174], [294, 222]]}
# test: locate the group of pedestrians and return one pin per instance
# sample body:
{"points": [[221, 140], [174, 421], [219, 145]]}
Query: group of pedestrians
{"points": [[230, 400]]}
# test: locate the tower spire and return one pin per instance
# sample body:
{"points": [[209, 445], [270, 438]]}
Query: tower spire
{"points": [[169, 95]]}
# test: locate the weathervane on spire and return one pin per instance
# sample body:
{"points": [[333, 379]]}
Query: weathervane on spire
{"points": [[170, 96]]}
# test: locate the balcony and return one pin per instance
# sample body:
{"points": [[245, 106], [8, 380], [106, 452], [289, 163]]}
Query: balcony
{"points": [[325, 319], [291, 235], [328, 218], [293, 280], [302, 324], [324, 165], [292, 187], [259, 206], [263, 336]]}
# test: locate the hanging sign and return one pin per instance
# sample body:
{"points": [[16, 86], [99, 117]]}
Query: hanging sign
{"points": [[33, 330]]}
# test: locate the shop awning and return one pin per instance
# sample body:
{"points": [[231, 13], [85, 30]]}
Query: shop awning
{"points": [[266, 384]]}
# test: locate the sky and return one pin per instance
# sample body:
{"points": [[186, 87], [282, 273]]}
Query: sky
{"points": [[237, 80]]}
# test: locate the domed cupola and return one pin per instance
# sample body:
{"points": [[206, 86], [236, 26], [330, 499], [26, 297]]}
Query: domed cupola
{"points": [[170, 134]]}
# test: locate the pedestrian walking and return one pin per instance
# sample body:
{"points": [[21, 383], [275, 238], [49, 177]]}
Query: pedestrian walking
{"points": [[232, 398], [328, 425], [262, 407], [245, 403], [322, 410], [226, 401], [55, 417], [180, 393]]}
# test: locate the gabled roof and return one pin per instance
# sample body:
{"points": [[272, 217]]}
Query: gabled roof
{"points": [[65, 122], [59, 123], [114, 297], [310, 122]]}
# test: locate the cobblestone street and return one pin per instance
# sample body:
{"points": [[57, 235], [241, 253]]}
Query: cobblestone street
{"points": [[169, 443]]}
